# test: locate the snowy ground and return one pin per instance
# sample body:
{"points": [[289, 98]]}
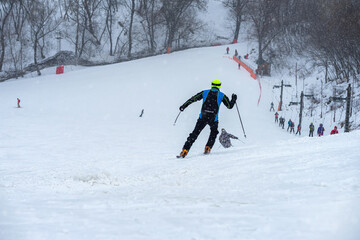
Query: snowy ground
{"points": [[76, 161]]}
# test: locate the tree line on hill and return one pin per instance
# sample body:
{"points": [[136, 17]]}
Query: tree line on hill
{"points": [[327, 32]]}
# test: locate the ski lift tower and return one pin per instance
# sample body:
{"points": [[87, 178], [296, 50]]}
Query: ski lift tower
{"points": [[347, 99], [281, 92], [302, 95]]}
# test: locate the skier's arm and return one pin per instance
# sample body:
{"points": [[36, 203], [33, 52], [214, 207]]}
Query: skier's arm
{"points": [[229, 104], [194, 98], [232, 136]]}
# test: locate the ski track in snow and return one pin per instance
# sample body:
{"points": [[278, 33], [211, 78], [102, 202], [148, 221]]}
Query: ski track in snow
{"points": [[76, 162]]}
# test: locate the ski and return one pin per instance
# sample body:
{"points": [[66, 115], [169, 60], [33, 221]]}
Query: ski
{"points": [[201, 154]]}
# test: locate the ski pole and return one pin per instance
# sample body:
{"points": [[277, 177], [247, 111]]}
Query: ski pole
{"points": [[177, 118], [240, 141], [240, 120]]}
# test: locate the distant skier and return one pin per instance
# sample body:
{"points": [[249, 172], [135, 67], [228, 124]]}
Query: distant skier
{"points": [[272, 107], [239, 65], [225, 138], [292, 127], [321, 130], [298, 130], [289, 124], [236, 53], [212, 100], [334, 131], [282, 122], [18, 102], [276, 117], [311, 130], [227, 50], [246, 56]]}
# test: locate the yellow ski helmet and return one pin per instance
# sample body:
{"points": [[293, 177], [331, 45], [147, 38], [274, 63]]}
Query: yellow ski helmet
{"points": [[216, 83]]}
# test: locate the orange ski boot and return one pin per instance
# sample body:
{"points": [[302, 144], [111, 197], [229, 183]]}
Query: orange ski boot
{"points": [[183, 153], [207, 150]]}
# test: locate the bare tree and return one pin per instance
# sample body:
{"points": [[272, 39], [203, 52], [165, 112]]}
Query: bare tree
{"points": [[18, 19], [89, 27], [332, 36], [75, 36], [187, 29], [5, 11], [264, 15], [120, 45], [236, 9], [91, 10], [40, 15], [18, 43], [173, 13], [131, 6], [110, 7], [149, 11]]}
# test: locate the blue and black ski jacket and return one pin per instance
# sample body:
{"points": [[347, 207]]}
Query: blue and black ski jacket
{"points": [[212, 100]]}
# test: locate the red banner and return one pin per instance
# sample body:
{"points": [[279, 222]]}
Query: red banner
{"points": [[60, 70]]}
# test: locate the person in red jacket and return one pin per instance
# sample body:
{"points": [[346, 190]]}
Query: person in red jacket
{"points": [[334, 131], [298, 130]]}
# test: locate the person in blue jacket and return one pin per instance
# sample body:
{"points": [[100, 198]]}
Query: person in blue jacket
{"points": [[212, 100], [321, 130], [289, 124]]}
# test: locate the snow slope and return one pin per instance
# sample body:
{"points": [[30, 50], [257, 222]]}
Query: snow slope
{"points": [[77, 162]]}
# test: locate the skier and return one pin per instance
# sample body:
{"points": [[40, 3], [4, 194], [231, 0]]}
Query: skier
{"points": [[292, 127], [289, 124], [212, 99], [321, 130], [282, 122], [298, 130], [18, 102], [311, 129], [239, 65], [236, 53], [276, 117], [225, 138], [272, 106], [246, 56], [227, 50], [334, 131]]}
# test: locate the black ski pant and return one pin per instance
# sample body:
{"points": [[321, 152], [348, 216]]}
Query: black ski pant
{"points": [[200, 125], [311, 133]]}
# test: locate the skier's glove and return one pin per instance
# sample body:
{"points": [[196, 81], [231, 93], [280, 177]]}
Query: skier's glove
{"points": [[181, 108], [233, 97]]}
